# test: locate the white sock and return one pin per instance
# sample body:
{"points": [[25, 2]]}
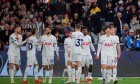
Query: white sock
{"points": [[69, 72], [114, 74], [79, 73], [73, 74], [103, 71], [64, 72], [26, 73], [76, 74], [108, 75], [36, 72], [11, 72], [15, 71], [82, 76], [50, 74], [89, 74]]}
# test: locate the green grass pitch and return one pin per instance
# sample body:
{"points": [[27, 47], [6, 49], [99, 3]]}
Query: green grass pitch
{"points": [[18, 80]]}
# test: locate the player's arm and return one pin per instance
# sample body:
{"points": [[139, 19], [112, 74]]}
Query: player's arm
{"points": [[118, 48], [38, 46], [65, 45], [99, 48], [18, 43], [92, 47], [56, 48]]}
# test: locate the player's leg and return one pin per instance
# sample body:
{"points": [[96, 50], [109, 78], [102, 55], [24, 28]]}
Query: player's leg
{"points": [[83, 67], [109, 68], [50, 73], [69, 64], [73, 71], [79, 70], [26, 73], [16, 69], [44, 64], [103, 67], [115, 72], [51, 63], [66, 67]]}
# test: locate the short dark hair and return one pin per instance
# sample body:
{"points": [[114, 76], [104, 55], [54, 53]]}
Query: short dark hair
{"points": [[84, 28], [77, 26], [48, 28], [107, 27], [33, 31]]}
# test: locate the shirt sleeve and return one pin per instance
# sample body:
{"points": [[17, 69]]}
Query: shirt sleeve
{"points": [[91, 45]]}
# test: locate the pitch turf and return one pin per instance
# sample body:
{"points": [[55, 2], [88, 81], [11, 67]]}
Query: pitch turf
{"points": [[6, 80]]}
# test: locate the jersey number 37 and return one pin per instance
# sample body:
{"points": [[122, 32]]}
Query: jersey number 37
{"points": [[79, 42]]}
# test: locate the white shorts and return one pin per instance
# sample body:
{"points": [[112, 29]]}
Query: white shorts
{"points": [[115, 62], [31, 60], [14, 59], [76, 57], [67, 59], [107, 59], [47, 60], [87, 60]]}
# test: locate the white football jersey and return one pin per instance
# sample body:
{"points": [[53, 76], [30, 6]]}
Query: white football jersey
{"points": [[32, 45], [48, 44], [87, 44], [67, 44], [107, 45], [77, 42], [14, 44], [116, 39]]}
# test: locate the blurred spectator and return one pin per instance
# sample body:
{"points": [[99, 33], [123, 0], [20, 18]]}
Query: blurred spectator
{"points": [[85, 8], [68, 28], [60, 8], [89, 24], [94, 12], [129, 41], [65, 20], [118, 22], [12, 21], [6, 37], [18, 6], [76, 7], [122, 39], [134, 24], [35, 24], [109, 13], [26, 35], [2, 23], [72, 23], [137, 35], [2, 46], [58, 38], [102, 32], [41, 24], [132, 35], [25, 26], [55, 20], [11, 29], [65, 36], [59, 28], [76, 19], [125, 27]]}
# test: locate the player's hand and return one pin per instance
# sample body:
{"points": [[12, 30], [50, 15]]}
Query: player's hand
{"points": [[118, 56], [69, 54], [57, 58], [17, 37], [27, 39], [97, 57]]}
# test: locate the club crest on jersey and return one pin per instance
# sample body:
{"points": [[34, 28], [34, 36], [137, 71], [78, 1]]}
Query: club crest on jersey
{"points": [[108, 44], [48, 44], [85, 43]]}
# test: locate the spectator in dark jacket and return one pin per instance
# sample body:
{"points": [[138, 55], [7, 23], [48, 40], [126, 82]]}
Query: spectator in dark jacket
{"points": [[76, 7], [89, 24], [60, 8], [58, 38], [59, 28], [65, 36], [68, 28]]}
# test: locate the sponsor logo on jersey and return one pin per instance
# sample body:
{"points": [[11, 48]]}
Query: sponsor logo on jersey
{"points": [[85, 43], [108, 44], [48, 43]]}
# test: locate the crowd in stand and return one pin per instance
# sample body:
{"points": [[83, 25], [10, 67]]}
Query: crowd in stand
{"points": [[62, 15]]}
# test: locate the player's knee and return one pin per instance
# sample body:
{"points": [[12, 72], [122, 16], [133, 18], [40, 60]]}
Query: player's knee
{"points": [[103, 67], [109, 67], [114, 67], [44, 67], [51, 67]]}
